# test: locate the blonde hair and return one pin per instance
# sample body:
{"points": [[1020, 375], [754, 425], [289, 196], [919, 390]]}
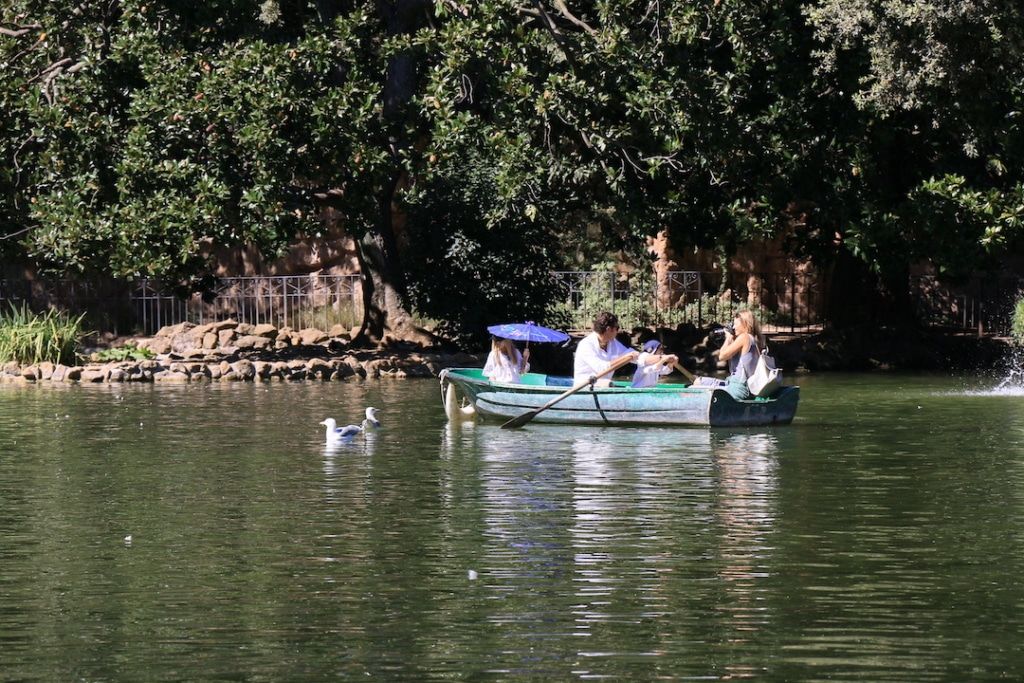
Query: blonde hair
{"points": [[750, 323], [505, 348]]}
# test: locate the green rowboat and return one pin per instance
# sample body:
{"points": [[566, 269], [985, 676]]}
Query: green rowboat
{"points": [[671, 405]]}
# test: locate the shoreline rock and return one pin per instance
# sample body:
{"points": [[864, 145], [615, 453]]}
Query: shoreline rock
{"points": [[171, 370]]}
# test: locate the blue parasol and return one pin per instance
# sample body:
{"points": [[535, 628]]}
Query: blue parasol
{"points": [[527, 332]]}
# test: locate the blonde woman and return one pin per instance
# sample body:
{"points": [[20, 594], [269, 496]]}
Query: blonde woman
{"points": [[742, 352], [505, 363]]}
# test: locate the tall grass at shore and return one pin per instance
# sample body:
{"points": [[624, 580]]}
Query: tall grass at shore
{"points": [[28, 337]]}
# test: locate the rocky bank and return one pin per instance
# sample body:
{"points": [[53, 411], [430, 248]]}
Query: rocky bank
{"points": [[232, 351]]}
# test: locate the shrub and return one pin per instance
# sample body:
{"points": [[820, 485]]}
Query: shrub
{"points": [[1017, 322], [28, 337], [127, 352], [636, 305]]}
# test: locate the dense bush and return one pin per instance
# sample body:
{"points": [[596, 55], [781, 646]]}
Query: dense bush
{"points": [[1017, 323], [28, 337], [127, 352]]}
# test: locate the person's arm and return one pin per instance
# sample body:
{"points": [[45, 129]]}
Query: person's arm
{"points": [[667, 362], [733, 346], [632, 357], [620, 350], [524, 362]]}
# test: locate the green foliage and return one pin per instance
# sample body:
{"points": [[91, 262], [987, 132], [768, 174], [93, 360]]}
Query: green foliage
{"points": [[468, 274], [183, 128], [27, 337], [136, 138], [636, 305], [1017, 322], [927, 100], [122, 353]]}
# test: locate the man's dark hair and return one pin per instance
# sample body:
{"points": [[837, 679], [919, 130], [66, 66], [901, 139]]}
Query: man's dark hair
{"points": [[605, 321]]}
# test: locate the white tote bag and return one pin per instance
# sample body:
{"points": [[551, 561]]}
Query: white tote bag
{"points": [[766, 378]]}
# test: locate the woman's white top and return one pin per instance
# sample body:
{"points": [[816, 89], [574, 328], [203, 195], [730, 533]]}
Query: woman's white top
{"points": [[743, 364], [499, 369], [592, 360], [647, 375]]}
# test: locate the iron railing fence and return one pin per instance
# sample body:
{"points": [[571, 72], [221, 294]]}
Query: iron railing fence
{"points": [[782, 300], [982, 304], [144, 306], [296, 301]]}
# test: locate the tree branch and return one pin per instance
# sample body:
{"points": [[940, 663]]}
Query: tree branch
{"points": [[16, 233], [18, 32], [46, 73], [559, 39], [564, 11]]}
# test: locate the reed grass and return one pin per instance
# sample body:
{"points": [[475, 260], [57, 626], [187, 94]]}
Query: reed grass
{"points": [[325, 317], [28, 337]]}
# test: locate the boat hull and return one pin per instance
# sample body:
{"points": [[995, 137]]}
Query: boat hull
{"points": [[664, 405]]}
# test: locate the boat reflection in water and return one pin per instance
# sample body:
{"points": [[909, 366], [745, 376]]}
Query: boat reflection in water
{"points": [[745, 512], [591, 528]]}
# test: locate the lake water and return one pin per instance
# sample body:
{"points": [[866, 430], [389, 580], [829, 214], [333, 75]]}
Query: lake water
{"points": [[879, 537]]}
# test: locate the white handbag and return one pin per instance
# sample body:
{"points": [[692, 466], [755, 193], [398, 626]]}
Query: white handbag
{"points": [[766, 378]]}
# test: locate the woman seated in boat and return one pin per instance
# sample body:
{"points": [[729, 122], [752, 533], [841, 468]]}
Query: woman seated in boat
{"points": [[505, 363], [742, 351], [598, 350], [652, 364]]}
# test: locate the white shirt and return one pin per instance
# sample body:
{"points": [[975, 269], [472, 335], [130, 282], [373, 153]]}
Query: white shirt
{"points": [[592, 360], [647, 375], [498, 369]]}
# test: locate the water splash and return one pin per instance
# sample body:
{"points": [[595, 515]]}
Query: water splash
{"points": [[1012, 381]]}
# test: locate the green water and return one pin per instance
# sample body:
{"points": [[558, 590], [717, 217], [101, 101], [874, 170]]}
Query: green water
{"points": [[880, 537]]}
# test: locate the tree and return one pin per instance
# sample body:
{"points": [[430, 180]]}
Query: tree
{"points": [[138, 134], [193, 125], [934, 92]]}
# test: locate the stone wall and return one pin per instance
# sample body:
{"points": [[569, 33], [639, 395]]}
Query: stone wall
{"points": [[232, 351]]}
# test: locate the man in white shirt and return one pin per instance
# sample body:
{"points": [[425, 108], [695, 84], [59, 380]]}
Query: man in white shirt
{"points": [[598, 350]]}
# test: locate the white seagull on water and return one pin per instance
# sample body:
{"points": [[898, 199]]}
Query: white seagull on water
{"points": [[336, 433]]}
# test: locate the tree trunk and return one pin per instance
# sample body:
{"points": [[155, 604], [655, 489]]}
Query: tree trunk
{"points": [[385, 318], [659, 246], [384, 296]]}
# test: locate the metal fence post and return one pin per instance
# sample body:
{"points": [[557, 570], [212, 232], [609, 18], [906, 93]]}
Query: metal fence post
{"points": [[792, 303]]}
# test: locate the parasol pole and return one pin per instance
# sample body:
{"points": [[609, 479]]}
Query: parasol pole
{"points": [[529, 324]]}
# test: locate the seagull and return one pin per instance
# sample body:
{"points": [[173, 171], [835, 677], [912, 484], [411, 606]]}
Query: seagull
{"points": [[336, 433]]}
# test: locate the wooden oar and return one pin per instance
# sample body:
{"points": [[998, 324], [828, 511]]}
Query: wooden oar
{"points": [[686, 373], [526, 417]]}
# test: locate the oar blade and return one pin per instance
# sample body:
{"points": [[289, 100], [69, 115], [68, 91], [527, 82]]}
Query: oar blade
{"points": [[520, 420]]}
